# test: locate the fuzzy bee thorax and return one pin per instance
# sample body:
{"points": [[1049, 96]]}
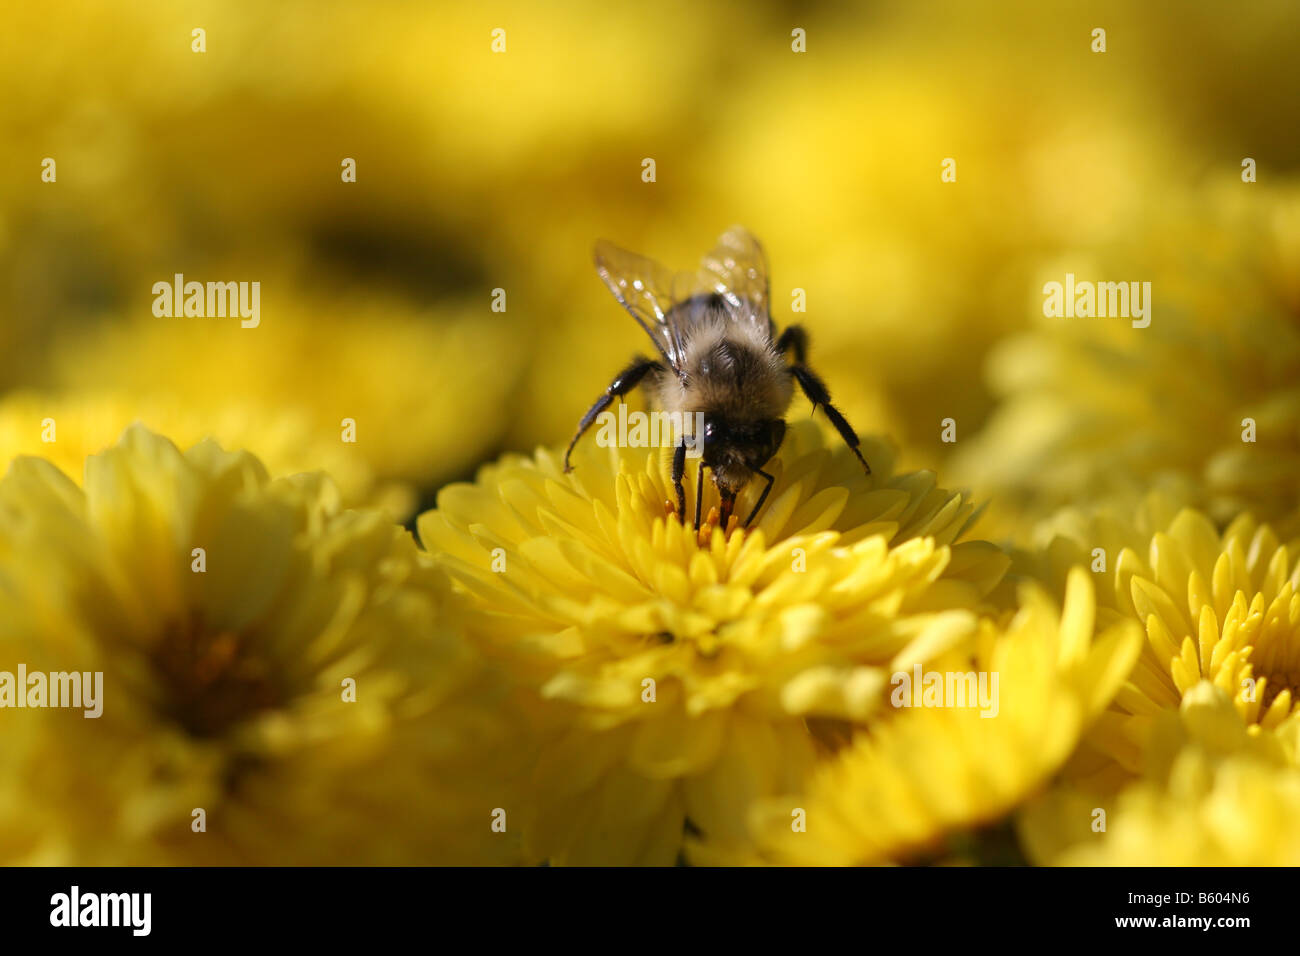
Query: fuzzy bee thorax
{"points": [[730, 372]]}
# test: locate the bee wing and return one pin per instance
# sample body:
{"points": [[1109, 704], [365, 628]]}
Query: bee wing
{"points": [[736, 269], [646, 289]]}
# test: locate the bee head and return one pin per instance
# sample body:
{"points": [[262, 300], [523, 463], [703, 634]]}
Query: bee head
{"points": [[735, 449]]}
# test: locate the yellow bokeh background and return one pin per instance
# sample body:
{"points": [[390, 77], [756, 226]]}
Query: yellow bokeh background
{"points": [[442, 310], [480, 170]]}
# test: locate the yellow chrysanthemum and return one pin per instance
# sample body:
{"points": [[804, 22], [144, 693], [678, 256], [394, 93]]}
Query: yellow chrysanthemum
{"points": [[414, 399], [677, 681], [1207, 390], [1213, 795], [916, 788], [226, 673], [68, 427], [1217, 607]]}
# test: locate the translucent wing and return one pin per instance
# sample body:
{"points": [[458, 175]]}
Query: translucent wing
{"points": [[736, 269], [645, 288], [731, 282]]}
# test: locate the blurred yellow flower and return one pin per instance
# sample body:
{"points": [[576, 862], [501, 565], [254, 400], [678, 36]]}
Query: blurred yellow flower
{"points": [[1216, 607], [68, 427], [226, 674], [678, 681], [491, 147], [1092, 407], [1214, 795], [426, 395], [919, 787]]}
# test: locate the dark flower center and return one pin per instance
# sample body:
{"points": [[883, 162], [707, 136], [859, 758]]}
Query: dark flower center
{"points": [[212, 679]]}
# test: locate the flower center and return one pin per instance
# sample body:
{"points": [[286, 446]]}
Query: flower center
{"points": [[1276, 680], [212, 680]]}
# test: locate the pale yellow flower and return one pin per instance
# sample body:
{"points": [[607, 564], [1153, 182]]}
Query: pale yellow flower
{"points": [[921, 786], [1213, 795], [226, 674], [1216, 607], [68, 427], [1095, 407], [678, 682], [406, 397]]}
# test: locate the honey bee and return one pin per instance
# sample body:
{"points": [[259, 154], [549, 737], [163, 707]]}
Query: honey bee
{"points": [[718, 355]]}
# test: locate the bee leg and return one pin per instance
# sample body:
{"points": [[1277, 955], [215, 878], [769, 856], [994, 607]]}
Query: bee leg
{"points": [[679, 469], [724, 513], [623, 383], [816, 391], [762, 497], [794, 339], [699, 494]]}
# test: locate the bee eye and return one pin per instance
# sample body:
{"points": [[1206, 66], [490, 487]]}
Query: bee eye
{"points": [[768, 442]]}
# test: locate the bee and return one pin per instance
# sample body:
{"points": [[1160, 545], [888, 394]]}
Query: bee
{"points": [[718, 354]]}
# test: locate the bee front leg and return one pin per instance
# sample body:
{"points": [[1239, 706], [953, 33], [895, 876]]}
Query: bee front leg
{"points": [[699, 494], [623, 383], [761, 498], [679, 469], [818, 394]]}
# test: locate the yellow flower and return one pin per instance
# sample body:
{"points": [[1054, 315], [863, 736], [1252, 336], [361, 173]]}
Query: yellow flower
{"points": [[1094, 406], [678, 682], [921, 786], [1214, 795], [1215, 607], [227, 673], [68, 427], [424, 396]]}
